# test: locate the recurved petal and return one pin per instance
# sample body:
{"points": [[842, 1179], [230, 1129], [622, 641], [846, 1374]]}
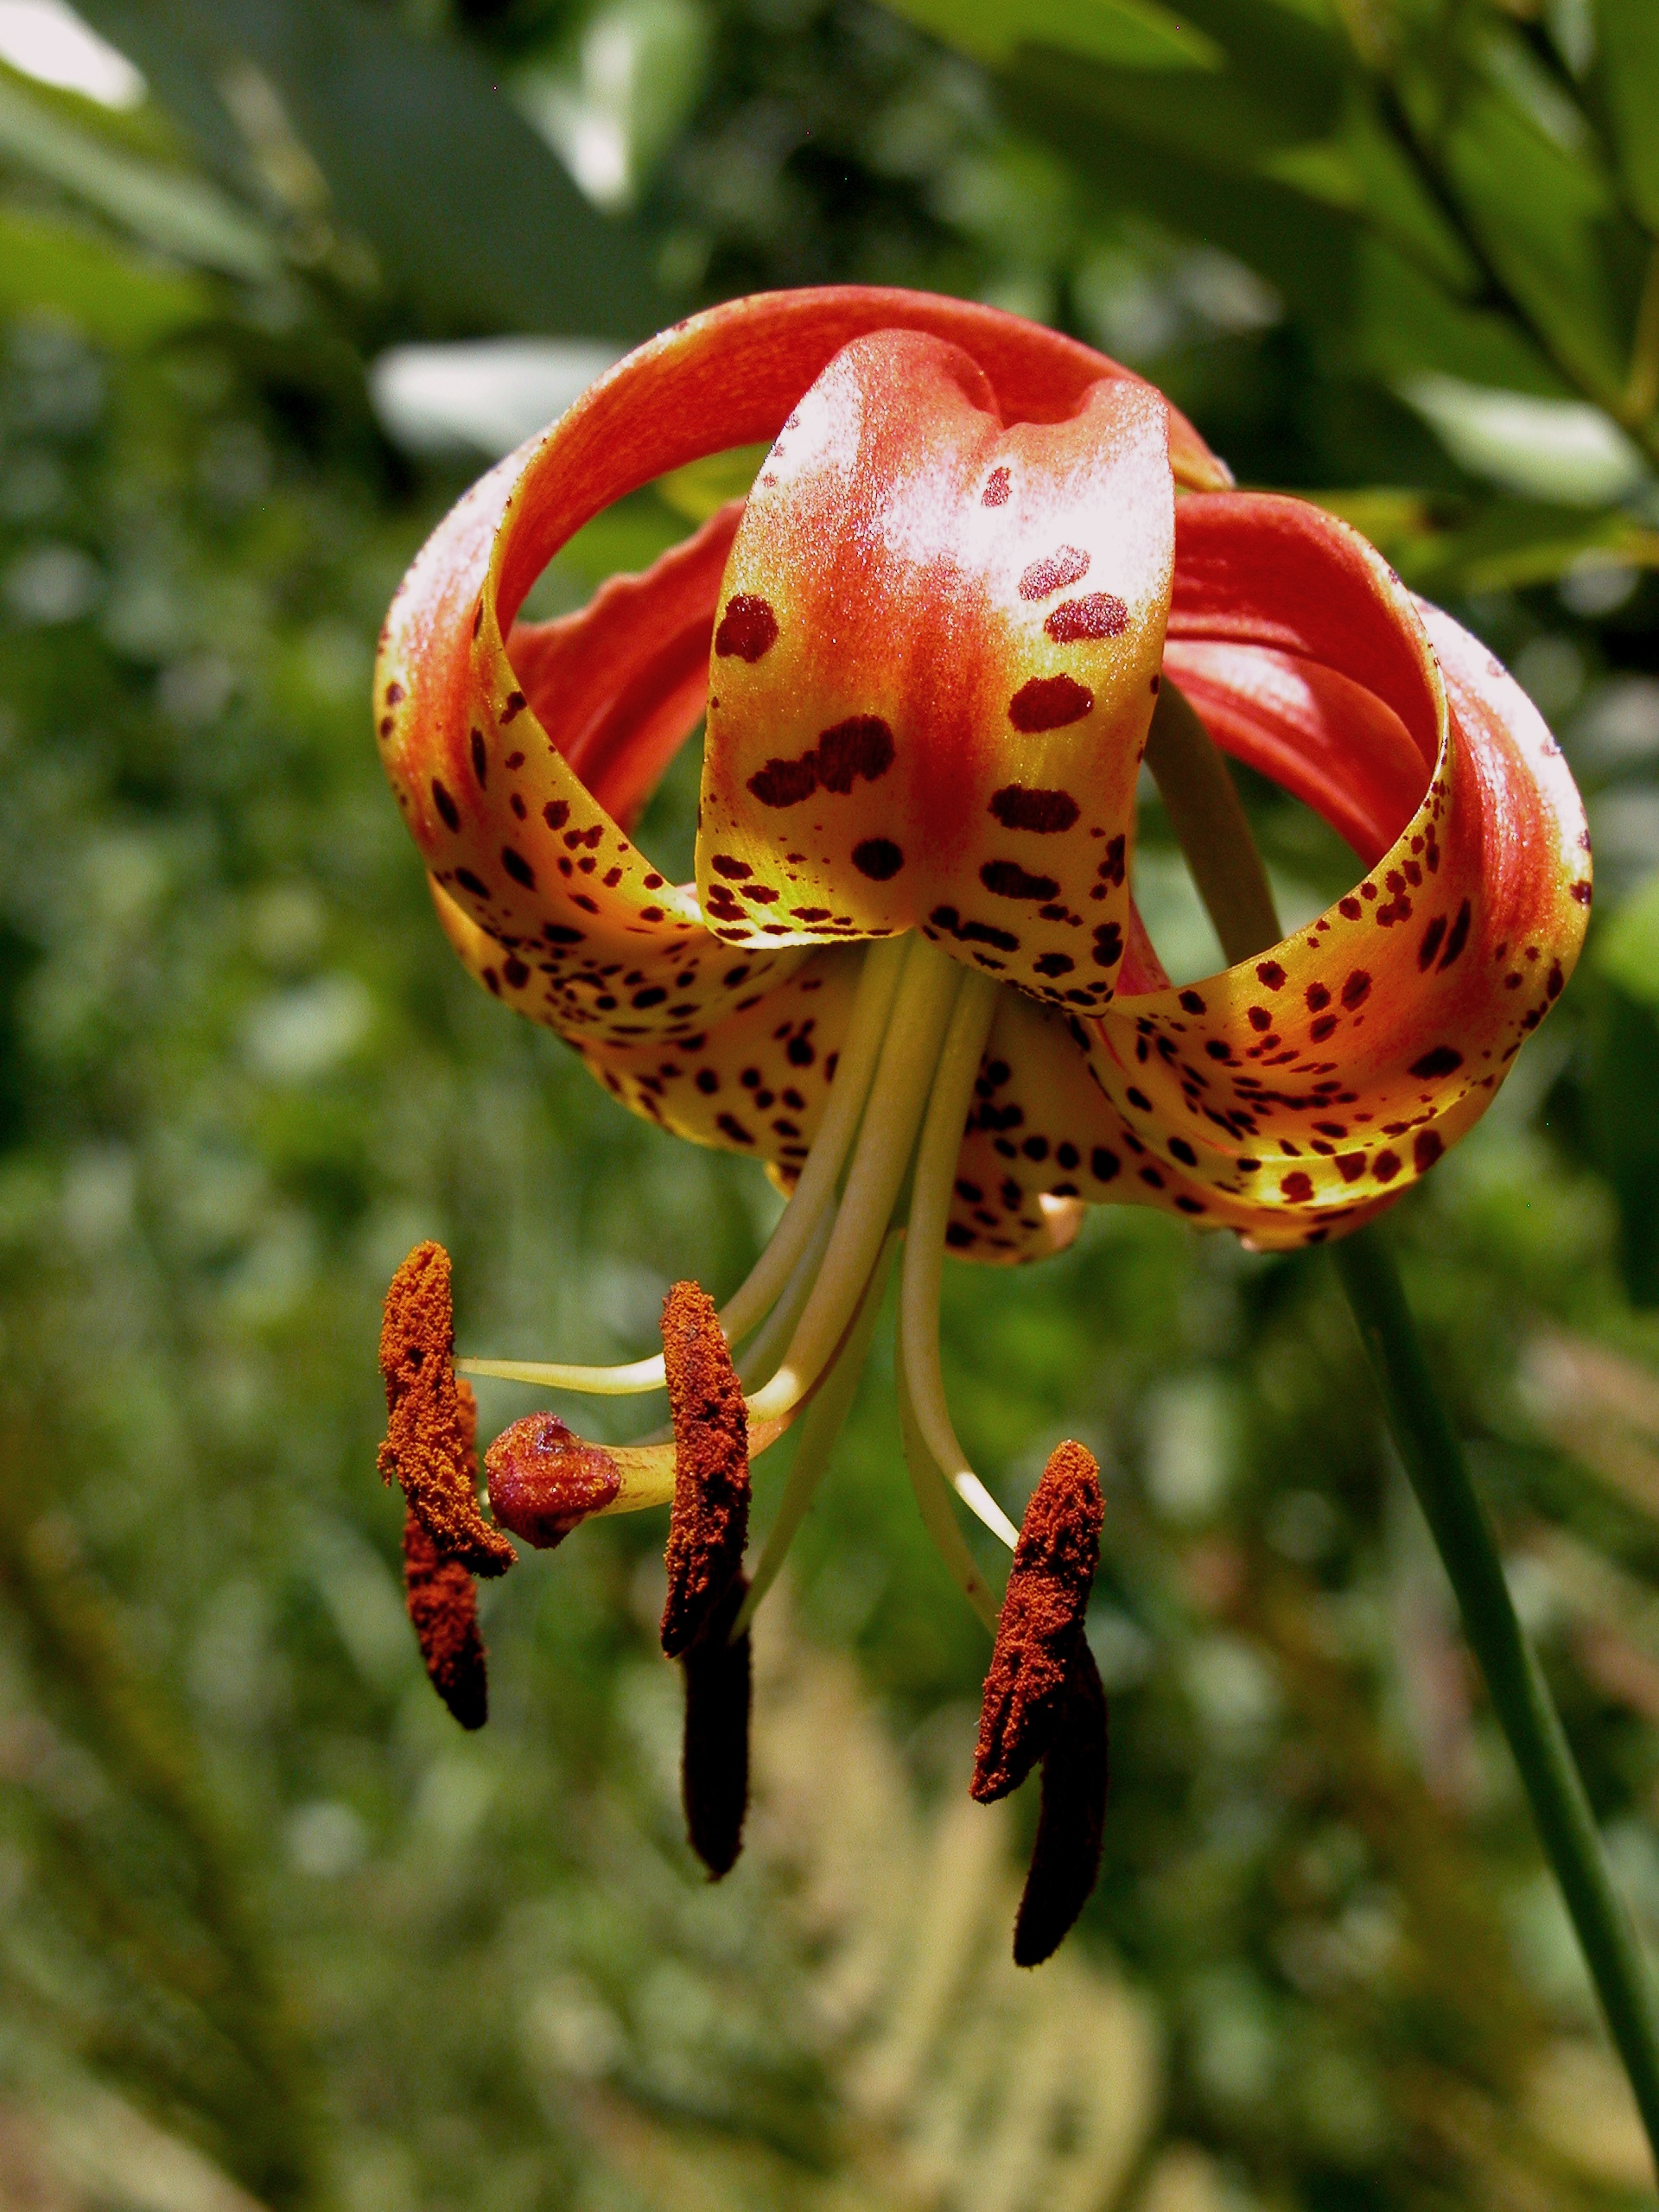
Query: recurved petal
{"points": [[755, 1082], [934, 669], [1318, 1080], [468, 725]]}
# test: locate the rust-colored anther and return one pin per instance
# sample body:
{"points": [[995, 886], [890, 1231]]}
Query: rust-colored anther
{"points": [[710, 1524], [1065, 1862], [1040, 1629], [545, 1479], [429, 1445], [442, 1600], [714, 1757]]}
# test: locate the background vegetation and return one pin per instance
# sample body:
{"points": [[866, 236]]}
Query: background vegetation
{"points": [[271, 1928]]}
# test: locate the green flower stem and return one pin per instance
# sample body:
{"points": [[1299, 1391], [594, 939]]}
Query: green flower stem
{"points": [[1227, 868], [1439, 1475]]}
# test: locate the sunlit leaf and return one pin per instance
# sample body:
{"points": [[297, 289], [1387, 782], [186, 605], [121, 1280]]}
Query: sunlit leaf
{"points": [[119, 300], [1630, 76], [171, 208], [1133, 33]]}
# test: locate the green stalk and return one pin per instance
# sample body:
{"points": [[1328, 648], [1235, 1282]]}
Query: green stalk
{"points": [[1227, 868]]}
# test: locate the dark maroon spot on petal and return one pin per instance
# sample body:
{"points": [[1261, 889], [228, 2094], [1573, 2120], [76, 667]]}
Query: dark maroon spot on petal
{"points": [[517, 867], [468, 881], [1387, 1167], [862, 745], [1069, 564], [515, 971], [557, 813], [1320, 1030], [1181, 1150], [1556, 982], [1009, 881], [1191, 1001], [1297, 1187], [1356, 989], [1055, 963], [556, 933], [995, 493], [1441, 1061], [1101, 614], [1431, 943], [723, 864], [1138, 1097], [1317, 996], [1049, 702], [513, 704], [1270, 973], [1016, 806], [728, 1125], [1426, 1150], [747, 628], [879, 858], [1580, 890], [1259, 1019], [1109, 945], [480, 757], [1458, 938], [445, 804], [1350, 1165], [784, 783]]}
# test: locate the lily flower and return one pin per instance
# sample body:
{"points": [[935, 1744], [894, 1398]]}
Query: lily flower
{"points": [[910, 977]]}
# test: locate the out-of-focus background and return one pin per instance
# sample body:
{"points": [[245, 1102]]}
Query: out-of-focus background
{"points": [[276, 277]]}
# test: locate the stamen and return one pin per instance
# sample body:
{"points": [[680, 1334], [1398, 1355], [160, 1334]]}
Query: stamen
{"points": [[926, 993], [1040, 1626], [802, 1220], [924, 1269], [710, 1522], [934, 1500], [441, 1600], [428, 1444], [715, 1755], [825, 1417], [1065, 1862]]}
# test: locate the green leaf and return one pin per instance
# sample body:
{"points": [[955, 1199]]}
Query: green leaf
{"points": [[1629, 40], [1131, 33], [121, 303], [1547, 223], [1405, 325], [1627, 947], [172, 209], [1443, 548], [467, 212]]}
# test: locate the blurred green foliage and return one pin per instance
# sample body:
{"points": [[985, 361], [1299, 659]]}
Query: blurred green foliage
{"points": [[263, 1913]]}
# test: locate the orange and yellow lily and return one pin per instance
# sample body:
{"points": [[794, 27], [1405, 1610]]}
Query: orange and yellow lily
{"points": [[910, 976]]}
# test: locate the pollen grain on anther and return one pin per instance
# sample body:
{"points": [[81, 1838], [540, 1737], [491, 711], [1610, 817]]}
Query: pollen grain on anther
{"points": [[709, 1523], [1040, 1629], [442, 1602], [429, 1441]]}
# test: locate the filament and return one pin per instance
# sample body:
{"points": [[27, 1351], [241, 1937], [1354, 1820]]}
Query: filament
{"points": [[825, 1417], [927, 991], [933, 1501], [924, 1268], [801, 1219]]}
